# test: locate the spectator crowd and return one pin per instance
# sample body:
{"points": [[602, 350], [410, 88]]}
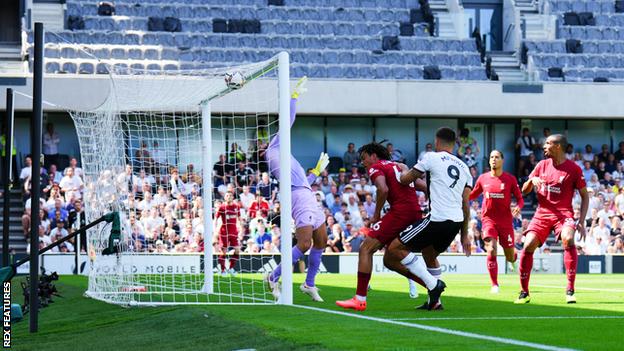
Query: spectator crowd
{"points": [[165, 205]]}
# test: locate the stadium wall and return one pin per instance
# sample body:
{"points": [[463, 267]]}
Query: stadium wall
{"points": [[398, 98]]}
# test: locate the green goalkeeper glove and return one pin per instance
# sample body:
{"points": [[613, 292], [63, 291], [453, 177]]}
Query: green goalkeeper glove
{"points": [[321, 164], [300, 87]]}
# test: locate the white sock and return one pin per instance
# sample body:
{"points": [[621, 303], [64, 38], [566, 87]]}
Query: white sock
{"points": [[435, 272], [360, 298], [418, 268]]}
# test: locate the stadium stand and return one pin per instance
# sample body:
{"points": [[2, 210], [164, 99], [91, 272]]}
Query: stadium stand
{"points": [[595, 31], [326, 39]]}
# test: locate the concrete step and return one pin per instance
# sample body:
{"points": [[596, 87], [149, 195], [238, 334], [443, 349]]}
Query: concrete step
{"points": [[509, 75], [13, 67], [52, 16], [10, 52]]}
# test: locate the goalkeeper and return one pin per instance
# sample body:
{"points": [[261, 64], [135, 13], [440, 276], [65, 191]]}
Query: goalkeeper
{"points": [[310, 229]]}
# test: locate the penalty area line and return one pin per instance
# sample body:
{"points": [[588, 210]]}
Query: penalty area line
{"points": [[504, 318], [441, 330]]}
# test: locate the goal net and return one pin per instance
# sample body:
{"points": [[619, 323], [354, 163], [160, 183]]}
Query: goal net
{"points": [[180, 155]]}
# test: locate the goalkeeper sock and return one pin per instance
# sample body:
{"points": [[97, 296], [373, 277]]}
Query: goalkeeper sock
{"points": [[570, 260], [277, 273], [314, 262], [233, 260], [492, 267], [419, 269]]}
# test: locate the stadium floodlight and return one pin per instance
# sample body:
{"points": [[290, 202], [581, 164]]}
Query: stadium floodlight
{"points": [[161, 122]]}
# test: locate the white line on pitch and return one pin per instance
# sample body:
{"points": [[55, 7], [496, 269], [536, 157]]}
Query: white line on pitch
{"points": [[442, 330], [503, 318], [577, 288]]}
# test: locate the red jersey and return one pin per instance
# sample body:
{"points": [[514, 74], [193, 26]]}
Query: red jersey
{"points": [[263, 207], [497, 196], [400, 197], [229, 215], [556, 194]]}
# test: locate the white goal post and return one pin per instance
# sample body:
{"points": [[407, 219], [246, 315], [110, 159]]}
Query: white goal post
{"points": [[154, 125]]}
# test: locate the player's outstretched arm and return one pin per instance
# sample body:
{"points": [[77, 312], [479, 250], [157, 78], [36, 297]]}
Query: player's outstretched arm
{"points": [[410, 176], [584, 207], [476, 191], [419, 184], [321, 164], [465, 240]]}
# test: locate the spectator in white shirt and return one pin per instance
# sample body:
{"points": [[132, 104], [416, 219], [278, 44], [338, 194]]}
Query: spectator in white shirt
{"points": [[72, 185], [363, 188], [525, 143], [588, 155], [27, 170], [177, 185], [138, 182], [246, 197], [428, 148], [54, 175], [161, 197], [59, 229], [73, 164]]}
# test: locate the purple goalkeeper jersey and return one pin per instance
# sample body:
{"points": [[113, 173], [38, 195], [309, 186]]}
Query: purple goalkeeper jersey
{"points": [[297, 173]]}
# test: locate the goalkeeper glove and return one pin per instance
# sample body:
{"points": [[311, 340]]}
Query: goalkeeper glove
{"points": [[300, 87], [321, 164]]}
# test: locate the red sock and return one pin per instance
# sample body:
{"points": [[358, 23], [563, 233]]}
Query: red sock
{"points": [[222, 262], [233, 260], [570, 260], [362, 283], [492, 267], [526, 265], [515, 256]]}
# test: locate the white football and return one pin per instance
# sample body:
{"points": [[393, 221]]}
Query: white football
{"points": [[234, 80]]}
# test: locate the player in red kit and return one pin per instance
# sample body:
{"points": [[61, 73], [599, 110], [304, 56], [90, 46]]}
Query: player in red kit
{"points": [[229, 212], [404, 210], [497, 215], [554, 180]]}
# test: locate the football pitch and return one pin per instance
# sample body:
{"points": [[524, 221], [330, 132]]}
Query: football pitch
{"points": [[473, 319]]}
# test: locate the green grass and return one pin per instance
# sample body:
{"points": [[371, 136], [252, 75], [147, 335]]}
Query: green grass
{"points": [[79, 323]]}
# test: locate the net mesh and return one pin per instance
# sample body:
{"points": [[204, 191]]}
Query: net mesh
{"points": [[142, 155]]}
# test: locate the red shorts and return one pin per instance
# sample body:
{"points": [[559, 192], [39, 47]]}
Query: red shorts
{"points": [[227, 239], [391, 224], [503, 233], [543, 223]]}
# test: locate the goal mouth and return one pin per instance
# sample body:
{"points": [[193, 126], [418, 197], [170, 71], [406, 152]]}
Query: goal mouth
{"points": [[148, 152]]}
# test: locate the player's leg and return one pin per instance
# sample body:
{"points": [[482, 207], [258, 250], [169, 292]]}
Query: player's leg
{"points": [[319, 242], [531, 243], [304, 241], [491, 245], [369, 246], [411, 268], [234, 257], [222, 252], [422, 236], [570, 258]]}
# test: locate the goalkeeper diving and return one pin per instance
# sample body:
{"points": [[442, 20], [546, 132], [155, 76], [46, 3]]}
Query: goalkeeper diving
{"points": [[310, 228]]}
